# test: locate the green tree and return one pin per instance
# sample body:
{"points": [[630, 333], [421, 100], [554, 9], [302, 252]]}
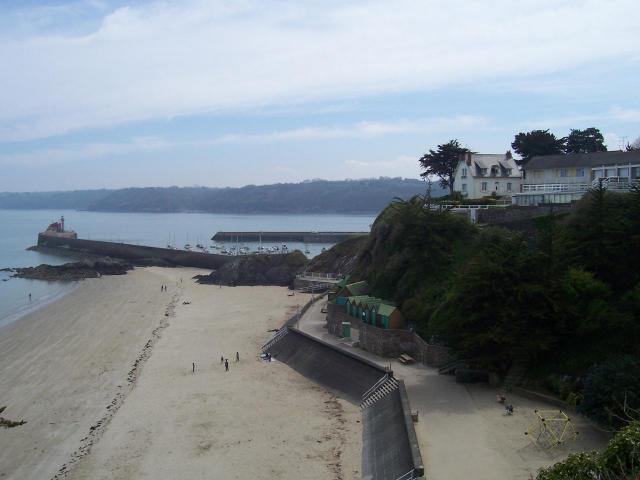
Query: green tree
{"points": [[537, 142], [500, 304], [588, 140], [634, 146], [443, 163]]}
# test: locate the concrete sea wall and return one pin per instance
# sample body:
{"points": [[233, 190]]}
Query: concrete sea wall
{"points": [[339, 371], [389, 444], [135, 252]]}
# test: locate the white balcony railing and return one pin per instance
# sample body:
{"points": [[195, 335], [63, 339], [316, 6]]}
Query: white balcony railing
{"points": [[555, 187], [612, 183]]}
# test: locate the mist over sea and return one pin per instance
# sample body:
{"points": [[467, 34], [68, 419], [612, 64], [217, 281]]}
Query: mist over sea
{"points": [[20, 230]]}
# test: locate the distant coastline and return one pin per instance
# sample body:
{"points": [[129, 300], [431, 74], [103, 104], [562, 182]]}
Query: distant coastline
{"points": [[353, 197]]}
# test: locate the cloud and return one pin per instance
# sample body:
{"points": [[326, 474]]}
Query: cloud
{"points": [[88, 151], [400, 166], [163, 59], [614, 114], [367, 129]]}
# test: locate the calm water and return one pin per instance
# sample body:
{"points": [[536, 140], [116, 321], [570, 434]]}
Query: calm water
{"points": [[19, 230]]}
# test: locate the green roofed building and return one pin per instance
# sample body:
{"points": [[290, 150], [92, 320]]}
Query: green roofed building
{"points": [[374, 311], [351, 290]]}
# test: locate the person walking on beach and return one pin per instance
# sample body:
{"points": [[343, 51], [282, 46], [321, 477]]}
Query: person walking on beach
{"points": [[29, 297], [226, 365], [193, 367], [237, 357], [221, 360]]}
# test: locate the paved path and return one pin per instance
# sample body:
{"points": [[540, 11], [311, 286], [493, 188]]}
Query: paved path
{"points": [[461, 430]]}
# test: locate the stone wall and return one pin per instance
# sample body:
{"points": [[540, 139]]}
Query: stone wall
{"points": [[387, 342], [509, 215], [135, 252]]}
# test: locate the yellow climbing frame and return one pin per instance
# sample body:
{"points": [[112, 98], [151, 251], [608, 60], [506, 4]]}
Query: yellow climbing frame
{"points": [[551, 428]]}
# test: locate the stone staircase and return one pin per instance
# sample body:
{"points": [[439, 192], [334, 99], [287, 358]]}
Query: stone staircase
{"points": [[516, 372], [276, 338], [382, 388]]}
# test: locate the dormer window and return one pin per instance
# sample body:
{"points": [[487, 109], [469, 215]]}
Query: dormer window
{"points": [[508, 171], [483, 171]]}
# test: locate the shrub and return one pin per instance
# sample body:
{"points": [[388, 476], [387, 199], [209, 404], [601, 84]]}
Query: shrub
{"points": [[619, 461], [612, 390], [622, 455], [577, 466]]}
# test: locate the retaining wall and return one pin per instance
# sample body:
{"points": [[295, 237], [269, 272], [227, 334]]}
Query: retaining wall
{"points": [[387, 342], [341, 372], [135, 252], [389, 444], [509, 215]]}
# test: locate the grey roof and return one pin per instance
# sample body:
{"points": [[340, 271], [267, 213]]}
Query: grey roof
{"points": [[582, 160]]}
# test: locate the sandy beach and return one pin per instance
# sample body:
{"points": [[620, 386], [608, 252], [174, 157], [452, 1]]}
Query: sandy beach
{"points": [[104, 379]]}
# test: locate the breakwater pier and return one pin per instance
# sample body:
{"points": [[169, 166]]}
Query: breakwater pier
{"points": [[135, 253], [304, 237]]}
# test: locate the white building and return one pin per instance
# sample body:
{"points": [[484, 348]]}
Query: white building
{"points": [[566, 178], [482, 174]]}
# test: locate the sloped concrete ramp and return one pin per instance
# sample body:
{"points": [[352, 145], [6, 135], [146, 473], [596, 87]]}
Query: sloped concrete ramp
{"points": [[389, 445], [347, 375]]}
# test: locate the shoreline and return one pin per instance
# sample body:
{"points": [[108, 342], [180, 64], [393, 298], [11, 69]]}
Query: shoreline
{"points": [[103, 378], [12, 317]]}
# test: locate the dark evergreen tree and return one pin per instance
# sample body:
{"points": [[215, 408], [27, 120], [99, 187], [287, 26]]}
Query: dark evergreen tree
{"points": [[537, 142], [588, 140], [443, 162]]}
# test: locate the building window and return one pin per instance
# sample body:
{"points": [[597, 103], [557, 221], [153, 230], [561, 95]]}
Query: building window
{"points": [[464, 187], [610, 172], [464, 173], [579, 172], [483, 171], [497, 186], [508, 186], [564, 172], [509, 171], [484, 186], [623, 172]]}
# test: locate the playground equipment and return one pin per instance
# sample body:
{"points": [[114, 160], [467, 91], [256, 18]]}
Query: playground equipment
{"points": [[551, 428]]}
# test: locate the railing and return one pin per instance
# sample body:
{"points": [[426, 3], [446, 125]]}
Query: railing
{"points": [[612, 183], [556, 187], [473, 207], [324, 276], [279, 334], [375, 386], [407, 476]]}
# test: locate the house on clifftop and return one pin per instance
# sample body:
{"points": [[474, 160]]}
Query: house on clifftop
{"points": [[482, 174], [566, 178]]}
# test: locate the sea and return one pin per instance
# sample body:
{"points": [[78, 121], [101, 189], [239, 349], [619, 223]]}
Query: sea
{"points": [[19, 230]]}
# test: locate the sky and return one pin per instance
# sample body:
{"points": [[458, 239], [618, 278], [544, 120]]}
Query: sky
{"points": [[111, 94]]}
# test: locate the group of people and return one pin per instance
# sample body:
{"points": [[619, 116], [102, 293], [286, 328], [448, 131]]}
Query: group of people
{"points": [[223, 361], [508, 408], [163, 288]]}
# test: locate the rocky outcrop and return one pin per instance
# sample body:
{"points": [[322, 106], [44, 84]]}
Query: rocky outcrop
{"points": [[258, 270], [74, 271], [341, 258]]}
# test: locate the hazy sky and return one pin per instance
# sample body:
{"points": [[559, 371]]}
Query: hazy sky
{"points": [[135, 93]]}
